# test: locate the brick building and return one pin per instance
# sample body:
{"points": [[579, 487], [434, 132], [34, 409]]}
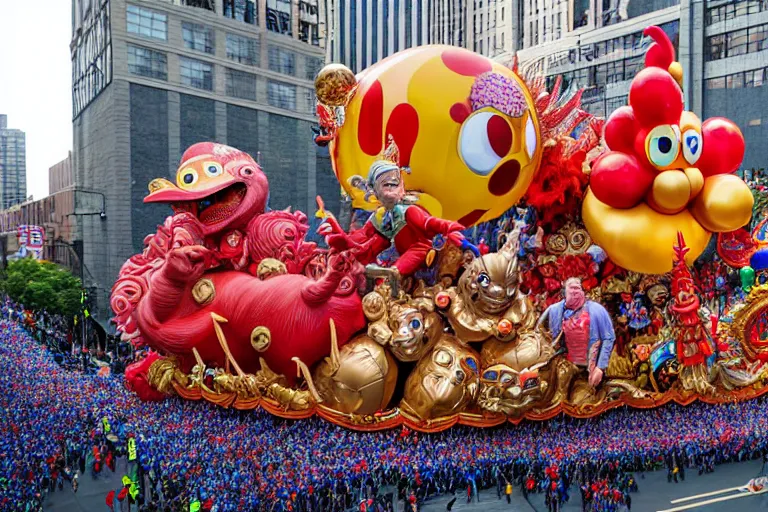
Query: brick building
{"points": [[55, 213]]}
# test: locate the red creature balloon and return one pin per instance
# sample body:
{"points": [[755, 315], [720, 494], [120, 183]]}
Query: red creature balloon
{"points": [[666, 172]]}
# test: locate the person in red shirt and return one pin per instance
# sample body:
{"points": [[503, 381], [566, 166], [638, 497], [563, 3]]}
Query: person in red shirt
{"points": [[410, 227]]}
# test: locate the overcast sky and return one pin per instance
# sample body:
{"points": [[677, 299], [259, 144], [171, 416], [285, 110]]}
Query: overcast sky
{"points": [[35, 81]]}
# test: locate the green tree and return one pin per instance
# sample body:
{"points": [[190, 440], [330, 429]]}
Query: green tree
{"points": [[42, 285]]}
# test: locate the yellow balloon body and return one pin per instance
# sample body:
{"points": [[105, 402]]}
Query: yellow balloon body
{"points": [[641, 239], [421, 96], [725, 203], [671, 190]]}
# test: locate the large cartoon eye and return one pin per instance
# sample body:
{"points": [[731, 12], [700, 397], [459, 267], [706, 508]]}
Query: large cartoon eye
{"points": [[415, 324], [531, 383], [663, 145], [443, 358], [491, 375], [188, 177], [692, 146], [530, 137], [212, 169], [471, 363], [483, 280], [484, 140]]}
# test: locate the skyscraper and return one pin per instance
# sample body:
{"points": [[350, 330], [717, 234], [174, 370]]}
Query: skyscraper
{"points": [[152, 77], [366, 31], [13, 165]]}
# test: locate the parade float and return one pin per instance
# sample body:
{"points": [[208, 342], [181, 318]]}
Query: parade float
{"points": [[510, 256]]}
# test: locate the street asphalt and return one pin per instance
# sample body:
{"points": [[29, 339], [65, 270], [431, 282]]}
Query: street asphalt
{"points": [[655, 493]]}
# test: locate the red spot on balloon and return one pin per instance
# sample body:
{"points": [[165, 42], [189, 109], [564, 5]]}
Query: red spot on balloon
{"points": [[505, 177], [499, 135], [459, 112], [371, 120], [723, 147], [618, 180], [472, 217], [465, 63], [403, 125]]}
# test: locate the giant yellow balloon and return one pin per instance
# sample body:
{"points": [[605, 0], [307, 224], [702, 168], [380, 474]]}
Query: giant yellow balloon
{"points": [[641, 239], [725, 203], [465, 126]]}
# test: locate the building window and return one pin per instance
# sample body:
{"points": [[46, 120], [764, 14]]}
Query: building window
{"points": [[241, 84], [735, 81], [241, 10], [281, 95], [196, 73], [147, 23], [716, 47], [737, 43], [92, 58], [312, 66], [308, 31], [197, 37], [310, 99], [615, 72], [757, 38], [146, 62], [580, 13], [279, 16], [601, 74], [243, 50], [632, 66], [282, 61]]}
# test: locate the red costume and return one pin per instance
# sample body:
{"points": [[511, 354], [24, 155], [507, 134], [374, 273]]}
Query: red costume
{"points": [[411, 229], [693, 347]]}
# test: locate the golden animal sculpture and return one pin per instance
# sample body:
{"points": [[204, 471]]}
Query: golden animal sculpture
{"points": [[517, 376], [358, 379], [408, 326], [487, 303], [444, 382]]}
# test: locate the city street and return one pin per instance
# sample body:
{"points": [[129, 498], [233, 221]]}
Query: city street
{"points": [[654, 495]]}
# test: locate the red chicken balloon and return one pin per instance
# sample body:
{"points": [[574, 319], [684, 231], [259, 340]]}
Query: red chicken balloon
{"points": [[665, 172]]}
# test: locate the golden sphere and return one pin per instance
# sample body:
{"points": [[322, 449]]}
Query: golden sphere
{"points": [[671, 191], [334, 85]]}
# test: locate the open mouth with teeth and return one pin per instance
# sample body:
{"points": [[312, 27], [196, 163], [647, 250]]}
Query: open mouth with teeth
{"points": [[217, 207]]}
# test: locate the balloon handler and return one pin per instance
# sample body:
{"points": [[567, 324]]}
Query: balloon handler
{"points": [[586, 328], [415, 233]]}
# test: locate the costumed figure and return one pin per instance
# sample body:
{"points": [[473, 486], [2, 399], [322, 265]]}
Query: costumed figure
{"points": [[408, 226], [694, 345], [636, 313], [488, 303], [658, 294], [586, 328]]}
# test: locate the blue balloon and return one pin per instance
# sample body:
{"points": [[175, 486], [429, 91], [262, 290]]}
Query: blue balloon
{"points": [[759, 260]]}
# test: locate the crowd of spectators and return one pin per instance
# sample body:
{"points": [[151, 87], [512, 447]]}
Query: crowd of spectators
{"points": [[58, 424]]}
